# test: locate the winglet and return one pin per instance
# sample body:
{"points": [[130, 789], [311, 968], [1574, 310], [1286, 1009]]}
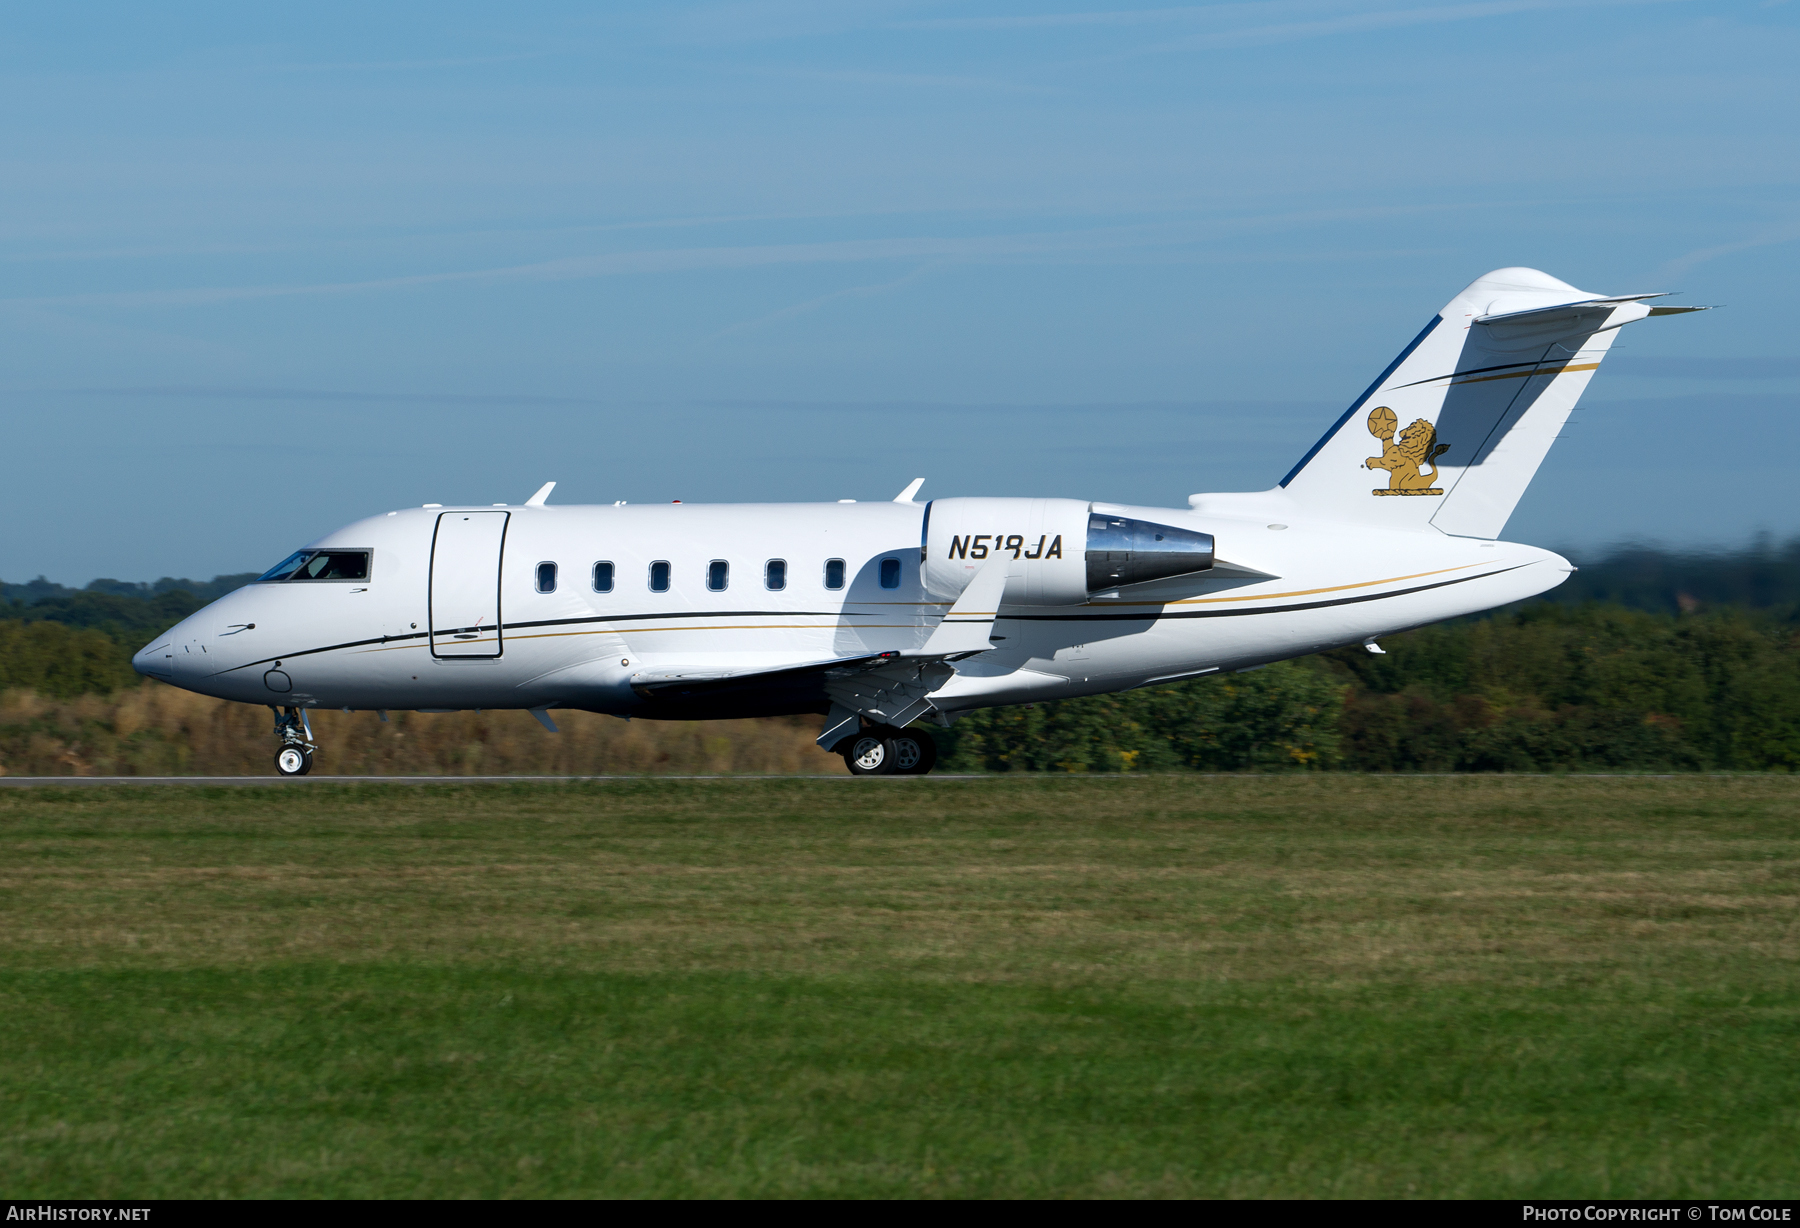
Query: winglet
{"points": [[543, 493], [912, 488], [966, 627]]}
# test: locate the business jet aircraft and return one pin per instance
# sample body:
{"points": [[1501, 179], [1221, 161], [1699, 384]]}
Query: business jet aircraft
{"points": [[879, 615]]}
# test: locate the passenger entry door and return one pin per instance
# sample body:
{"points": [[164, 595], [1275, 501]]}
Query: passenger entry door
{"points": [[465, 584]]}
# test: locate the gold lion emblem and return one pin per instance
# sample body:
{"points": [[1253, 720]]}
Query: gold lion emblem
{"points": [[1402, 457]]}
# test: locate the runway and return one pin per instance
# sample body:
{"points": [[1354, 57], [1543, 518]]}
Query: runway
{"points": [[18, 782]]}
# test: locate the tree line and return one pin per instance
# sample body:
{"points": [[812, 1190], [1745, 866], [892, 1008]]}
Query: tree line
{"points": [[1544, 687], [1645, 660]]}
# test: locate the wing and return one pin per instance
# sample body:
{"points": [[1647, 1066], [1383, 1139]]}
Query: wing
{"points": [[888, 687]]}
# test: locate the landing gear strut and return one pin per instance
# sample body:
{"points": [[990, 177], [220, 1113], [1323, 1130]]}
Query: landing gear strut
{"points": [[295, 758], [882, 750]]}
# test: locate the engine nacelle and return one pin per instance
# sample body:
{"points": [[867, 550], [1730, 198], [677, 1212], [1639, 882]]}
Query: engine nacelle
{"points": [[1056, 551], [1042, 542]]}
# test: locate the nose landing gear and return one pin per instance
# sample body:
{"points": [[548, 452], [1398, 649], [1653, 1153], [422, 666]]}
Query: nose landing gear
{"points": [[295, 758], [882, 750]]}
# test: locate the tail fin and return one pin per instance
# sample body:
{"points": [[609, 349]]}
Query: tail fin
{"points": [[1462, 419]]}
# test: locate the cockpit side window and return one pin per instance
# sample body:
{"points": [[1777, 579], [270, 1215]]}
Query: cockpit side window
{"points": [[321, 565], [286, 567]]}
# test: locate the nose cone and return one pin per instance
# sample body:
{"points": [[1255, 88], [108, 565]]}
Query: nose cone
{"points": [[156, 661]]}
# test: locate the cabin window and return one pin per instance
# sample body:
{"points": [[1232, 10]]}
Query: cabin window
{"points": [[659, 576], [603, 577], [834, 573], [775, 575], [321, 565], [718, 575], [546, 577], [890, 573]]}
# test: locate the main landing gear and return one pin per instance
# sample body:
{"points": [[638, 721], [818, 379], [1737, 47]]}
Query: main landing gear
{"points": [[295, 758], [882, 750]]}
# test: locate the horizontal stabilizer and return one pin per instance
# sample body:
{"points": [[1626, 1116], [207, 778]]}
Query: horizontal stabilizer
{"points": [[1564, 311]]}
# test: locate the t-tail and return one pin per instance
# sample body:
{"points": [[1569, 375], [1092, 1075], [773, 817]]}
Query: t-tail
{"points": [[1451, 433]]}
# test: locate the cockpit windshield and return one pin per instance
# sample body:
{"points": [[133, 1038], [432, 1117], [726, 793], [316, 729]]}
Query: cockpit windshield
{"points": [[320, 565]]}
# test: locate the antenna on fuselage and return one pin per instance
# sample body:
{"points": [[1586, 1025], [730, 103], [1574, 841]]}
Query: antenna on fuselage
{"points": [[543, 493], [912, 488]]}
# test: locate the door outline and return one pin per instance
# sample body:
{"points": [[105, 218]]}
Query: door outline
{"points": [[433, 635]]}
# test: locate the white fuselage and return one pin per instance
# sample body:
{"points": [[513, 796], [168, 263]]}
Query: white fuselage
{"points": [[1284, 586]]}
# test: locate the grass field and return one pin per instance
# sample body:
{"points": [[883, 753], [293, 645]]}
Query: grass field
{"points": [[1241, 986]]}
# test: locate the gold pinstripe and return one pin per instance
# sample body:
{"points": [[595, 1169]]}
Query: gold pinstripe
{"points": [[550, 635], [1303, 592], [1457, 380]]}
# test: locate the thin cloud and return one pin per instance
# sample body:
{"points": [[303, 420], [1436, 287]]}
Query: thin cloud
{"points": [[1708, 368], [479, 61], [770, 20], [1236, 409], [1785, 232], [1388, 19], [1264, 31], [1121, 17], [899, 80], [190, 392], [145, 252], [616, 264], [1061, 244], [388, 243], [811, 305]]}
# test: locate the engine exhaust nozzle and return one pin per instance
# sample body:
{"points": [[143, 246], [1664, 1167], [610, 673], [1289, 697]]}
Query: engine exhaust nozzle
{"points": [[1121, 551]]}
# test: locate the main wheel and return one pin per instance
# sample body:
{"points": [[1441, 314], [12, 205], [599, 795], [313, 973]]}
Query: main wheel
{"points": [[293, 761], [869, 754], [914, 753]]}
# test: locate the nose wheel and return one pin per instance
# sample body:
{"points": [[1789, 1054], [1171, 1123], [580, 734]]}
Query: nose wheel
{"points": [[295, 757], [885, 751]]}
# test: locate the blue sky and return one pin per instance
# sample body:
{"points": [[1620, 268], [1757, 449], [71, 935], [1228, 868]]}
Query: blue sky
{"points": [[265, 273]]}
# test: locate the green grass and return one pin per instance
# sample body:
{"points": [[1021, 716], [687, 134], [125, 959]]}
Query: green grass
{"points": [[1272, 986]]}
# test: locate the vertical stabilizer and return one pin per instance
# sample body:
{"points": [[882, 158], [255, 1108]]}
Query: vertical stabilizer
{"points": [[1451, 433]]}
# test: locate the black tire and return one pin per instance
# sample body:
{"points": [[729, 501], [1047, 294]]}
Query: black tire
{"points": [[914, 752], [293, 761], [868, 754]]}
